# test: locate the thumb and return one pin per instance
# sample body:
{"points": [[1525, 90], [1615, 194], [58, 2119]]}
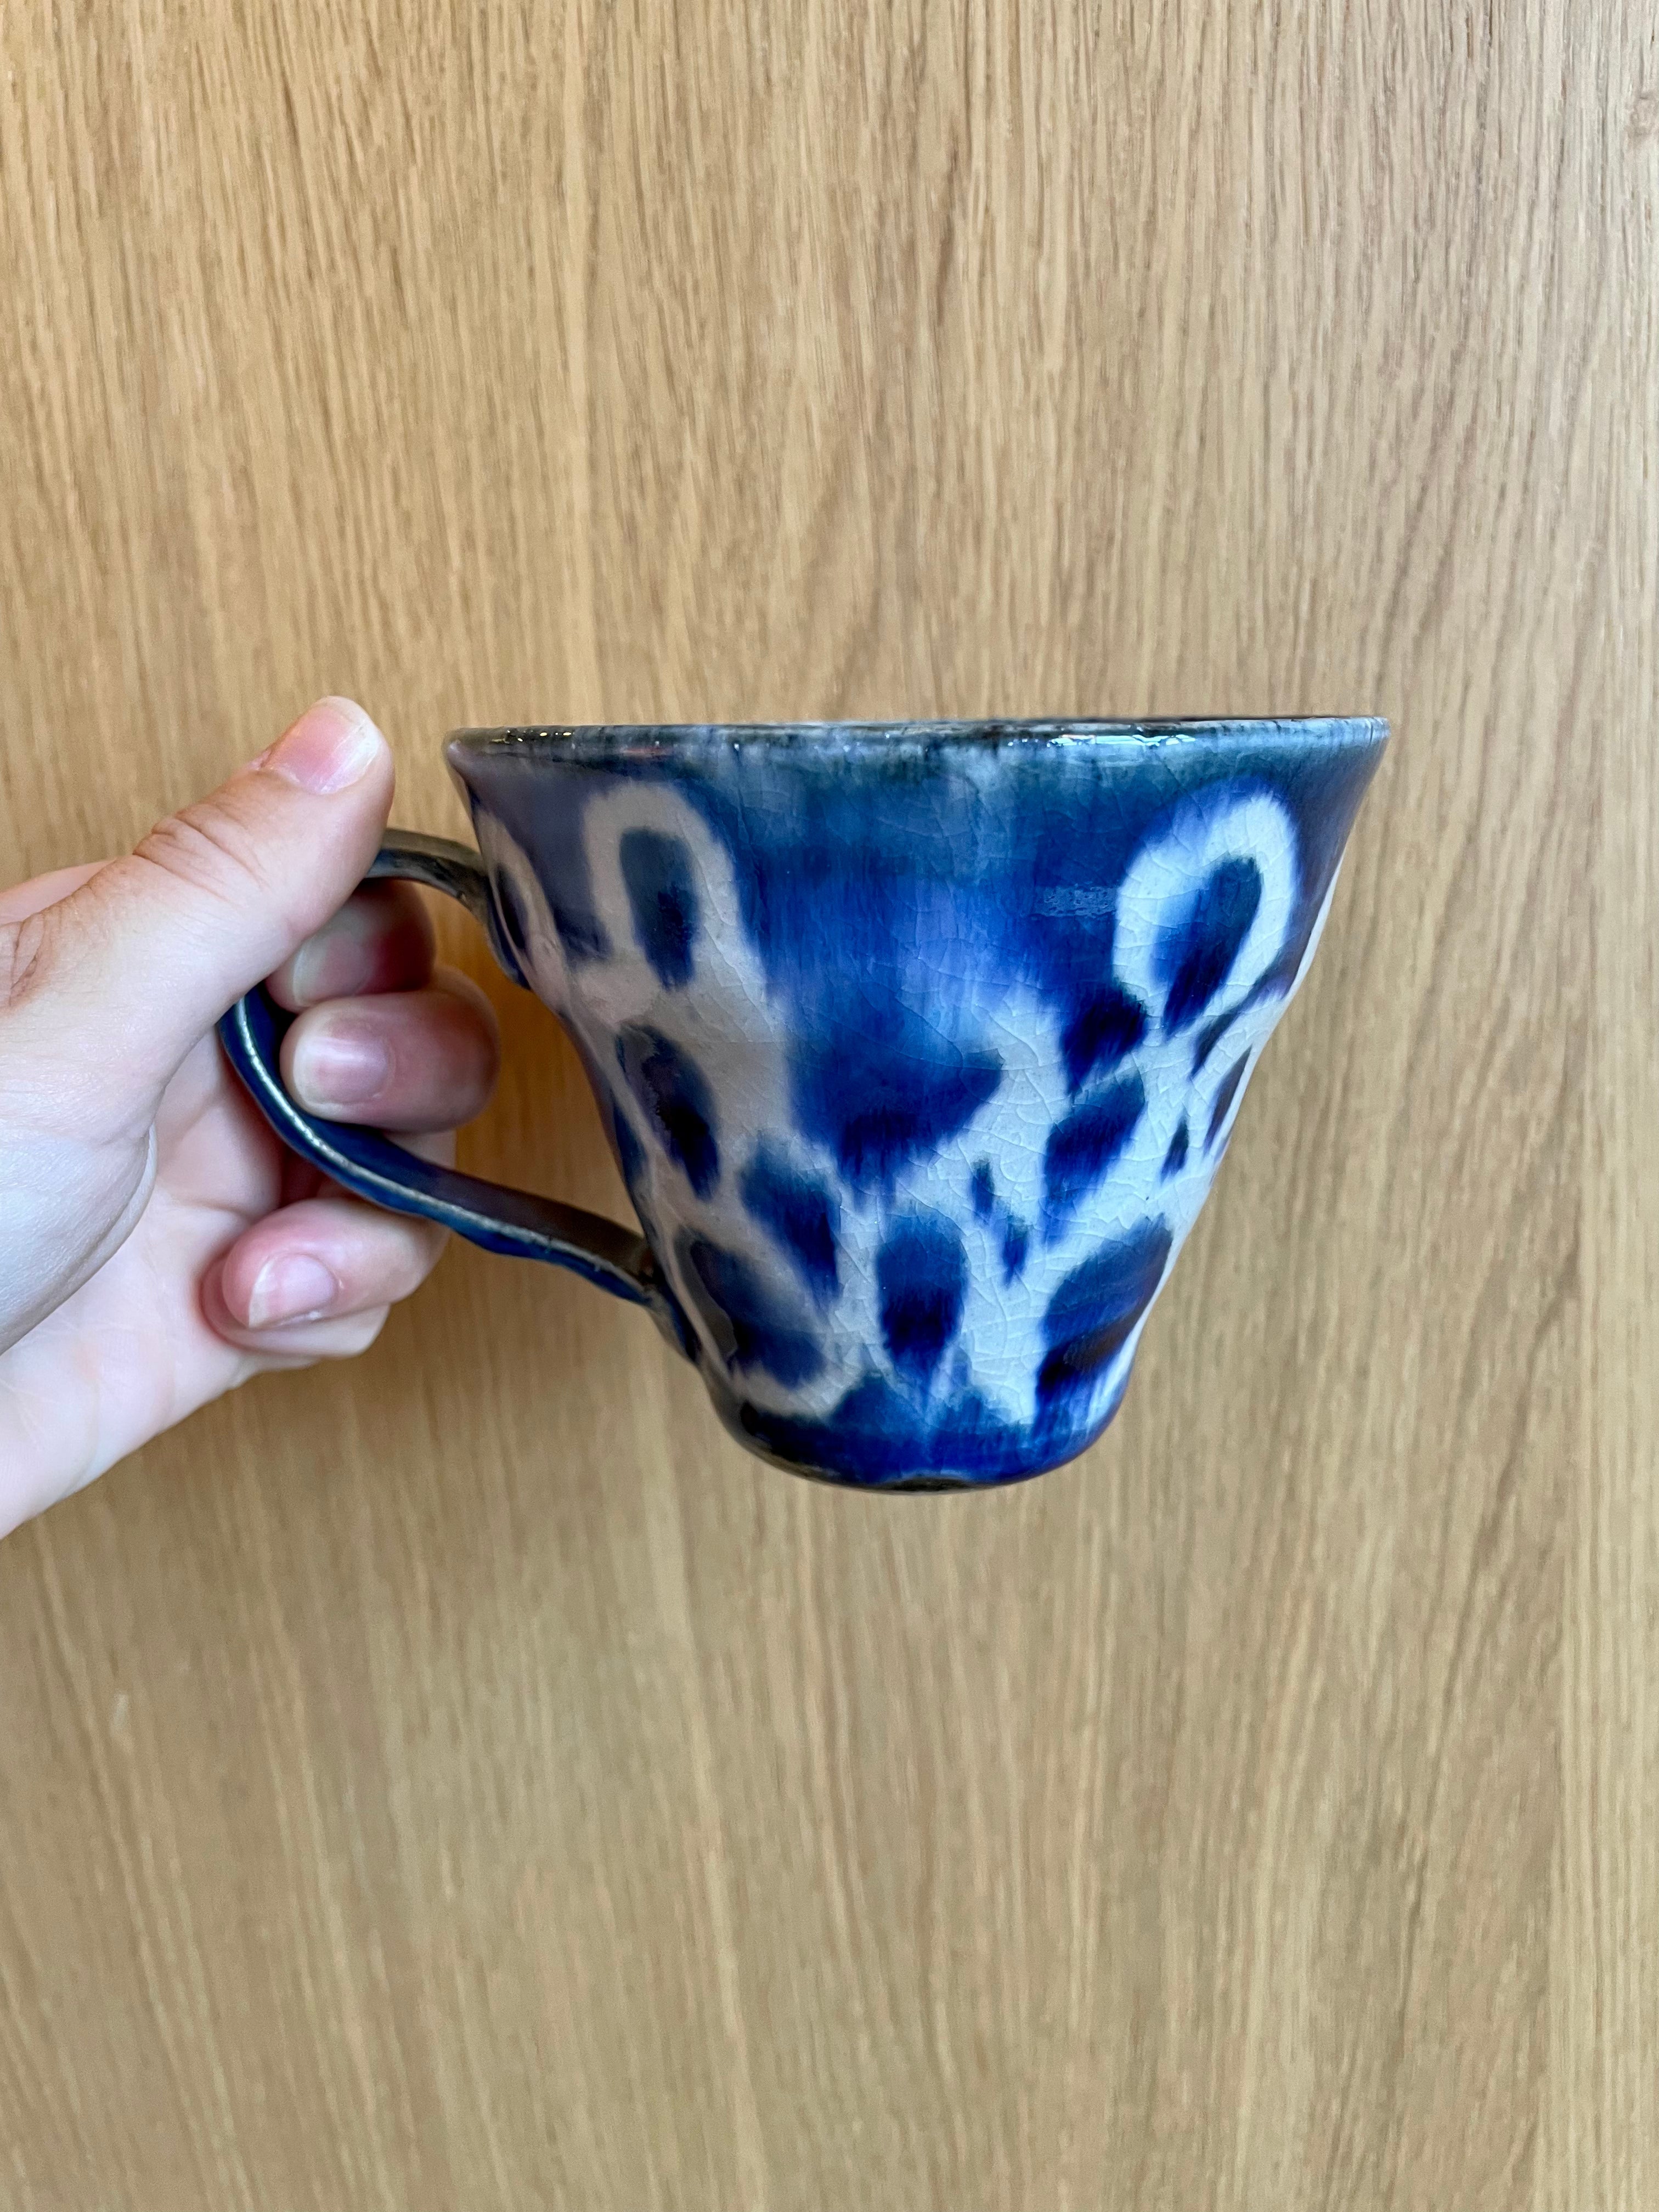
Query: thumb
{"points": [[136, 966]]}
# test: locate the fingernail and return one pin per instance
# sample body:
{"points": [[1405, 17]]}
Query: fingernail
{"points": [[331, 746], [305, 970], [324, 967], [296, 1287], [338, 1067]]}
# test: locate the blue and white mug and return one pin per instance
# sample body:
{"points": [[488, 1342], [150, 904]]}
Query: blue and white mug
{"points": [[918, 1045]]}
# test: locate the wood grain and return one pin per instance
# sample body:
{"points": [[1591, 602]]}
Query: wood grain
{"points": [[466, 1778]]}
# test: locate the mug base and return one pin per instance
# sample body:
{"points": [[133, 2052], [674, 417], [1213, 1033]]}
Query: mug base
{"points": [[832, 1452]]}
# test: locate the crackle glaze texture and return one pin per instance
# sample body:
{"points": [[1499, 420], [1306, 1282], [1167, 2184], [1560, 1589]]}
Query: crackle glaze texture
{"points": [[918, 1048]]}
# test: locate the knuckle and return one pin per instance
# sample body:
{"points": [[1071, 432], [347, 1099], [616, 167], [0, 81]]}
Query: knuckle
{"points": [[206, 848]]}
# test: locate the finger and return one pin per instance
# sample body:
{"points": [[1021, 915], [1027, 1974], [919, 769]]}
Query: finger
{"points": [[380, 940], [23, 900], [411, 1060], [122, 976], [327, 1259], [308, 1342]]}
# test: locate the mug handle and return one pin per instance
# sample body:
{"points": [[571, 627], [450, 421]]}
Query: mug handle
{"points": [[492, 1214]]}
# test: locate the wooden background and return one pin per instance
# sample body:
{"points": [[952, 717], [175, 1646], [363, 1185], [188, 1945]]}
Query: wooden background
{"points": [[465, 1779]]}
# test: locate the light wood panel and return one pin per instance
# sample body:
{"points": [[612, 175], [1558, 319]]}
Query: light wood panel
{"points": [[466, 1778]]}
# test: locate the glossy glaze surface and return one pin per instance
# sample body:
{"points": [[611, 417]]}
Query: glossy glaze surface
{"points": [[919, 1048]]}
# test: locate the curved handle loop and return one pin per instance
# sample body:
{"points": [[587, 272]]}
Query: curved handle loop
{"points": [[500, 1219]]}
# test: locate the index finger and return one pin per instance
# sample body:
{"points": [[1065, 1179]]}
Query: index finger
{"points": [[380, 940]]}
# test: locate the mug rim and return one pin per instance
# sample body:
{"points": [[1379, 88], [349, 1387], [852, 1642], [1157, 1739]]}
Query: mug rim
{"points": [[1143, 733]]}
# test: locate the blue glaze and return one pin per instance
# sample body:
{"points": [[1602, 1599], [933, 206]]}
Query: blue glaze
{"points": [[800, 1213], [663, 898], [1211, 1035], [509, 909], [1091, 1314], [1196, 952], [878, 1435], [973, 977], [1223, 1098], [630, 1154], [1081, 1148], [671, 1088], [1016, 1243], [863, 1004], [889, 1091], [922, 1277], [752, 1327], [1103, 1030]]}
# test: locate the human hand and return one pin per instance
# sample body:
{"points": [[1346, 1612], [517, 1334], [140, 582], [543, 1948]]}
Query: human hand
{"points": [[157, 1244]]}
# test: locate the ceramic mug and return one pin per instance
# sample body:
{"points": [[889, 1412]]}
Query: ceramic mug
{"points": [[917, 1045]]}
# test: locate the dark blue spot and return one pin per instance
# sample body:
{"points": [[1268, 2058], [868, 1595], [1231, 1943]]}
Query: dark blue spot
{"points": [[922, 1277], [1225, 1097], [1083, 1146], [669, 1084], [1100, 1033], [1176, 1158], [799, 1212], [882, 1088], [1212, 1034], [972, 1435], [581, 933], [630, 1153], [657, 872], [984, 1191], [750, 1323], [873, 1408], [1194, 955], [509, 908], [549, 833], [1092, 1314], [878, 1435], [1016, 1243]]}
